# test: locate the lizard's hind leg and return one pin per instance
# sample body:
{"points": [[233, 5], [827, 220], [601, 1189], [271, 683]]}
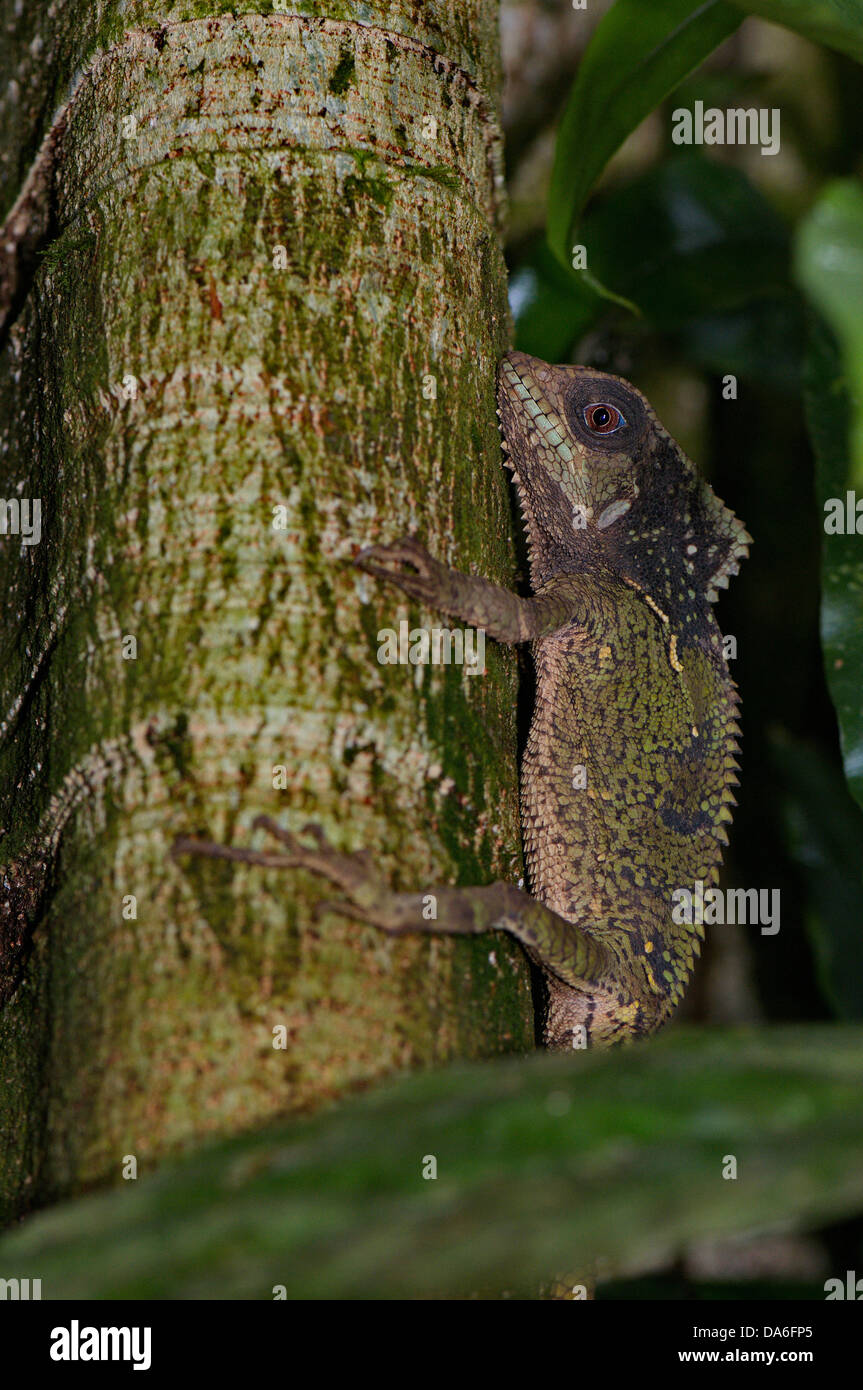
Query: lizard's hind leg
{"points": [[574, 956]]}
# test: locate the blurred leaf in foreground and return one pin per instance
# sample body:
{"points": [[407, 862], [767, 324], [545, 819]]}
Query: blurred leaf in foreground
{"points": [[830, 269], [542, 1165]]}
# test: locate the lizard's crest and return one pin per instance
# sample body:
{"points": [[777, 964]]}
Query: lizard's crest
{"points": [[603, 484]]}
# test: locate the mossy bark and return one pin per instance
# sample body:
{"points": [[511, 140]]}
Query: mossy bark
{"points": [[213, 425]]}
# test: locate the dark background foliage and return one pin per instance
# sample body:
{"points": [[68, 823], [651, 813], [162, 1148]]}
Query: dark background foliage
{"points": [[711, 249]]}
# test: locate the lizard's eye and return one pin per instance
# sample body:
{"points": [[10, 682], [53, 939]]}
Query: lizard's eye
{"points": [[603, 418]]}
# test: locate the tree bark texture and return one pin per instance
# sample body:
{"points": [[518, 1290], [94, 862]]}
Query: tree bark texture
{"points": [[242, 248]]}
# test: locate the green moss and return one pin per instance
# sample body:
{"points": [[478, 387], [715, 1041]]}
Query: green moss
{"points": [[344, 73], [440, 174], [371, 181], [177, 745], [356, 189], [205, 163], [61, 257]]}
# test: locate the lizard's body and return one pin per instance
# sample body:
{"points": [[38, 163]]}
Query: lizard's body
{"points": [[639, 837], [626, 779]]}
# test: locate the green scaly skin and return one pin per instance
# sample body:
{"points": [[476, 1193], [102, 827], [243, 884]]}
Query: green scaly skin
{"points": [[627, 775]]}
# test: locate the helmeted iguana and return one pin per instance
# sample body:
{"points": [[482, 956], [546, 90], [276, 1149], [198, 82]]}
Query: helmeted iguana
{"points": [[627, 774]]}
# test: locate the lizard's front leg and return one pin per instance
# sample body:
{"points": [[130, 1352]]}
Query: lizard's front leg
{"points": [[505, 616], [575, 957]]}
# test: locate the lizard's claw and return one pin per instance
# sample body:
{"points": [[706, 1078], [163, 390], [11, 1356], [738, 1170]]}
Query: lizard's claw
{"points": [[317, 834], [283, 836], [407, 564]]}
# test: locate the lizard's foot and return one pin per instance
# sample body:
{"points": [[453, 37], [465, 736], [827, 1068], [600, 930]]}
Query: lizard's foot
{"points": [[366, 895], [407, 564]]}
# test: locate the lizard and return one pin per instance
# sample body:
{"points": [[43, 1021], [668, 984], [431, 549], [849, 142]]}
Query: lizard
{"points": [[627, 774]]}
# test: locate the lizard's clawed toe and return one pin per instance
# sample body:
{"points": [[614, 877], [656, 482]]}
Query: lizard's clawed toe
{"points": [[405, 562], [316, 833], [273, 828]]}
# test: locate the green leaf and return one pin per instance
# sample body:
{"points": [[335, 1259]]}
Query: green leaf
{"points": [[825, 828], [829, 263], [830, 268], [836, 23], [638, 54], [543, 1164]]}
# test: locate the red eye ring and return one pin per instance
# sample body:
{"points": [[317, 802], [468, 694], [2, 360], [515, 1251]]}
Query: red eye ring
{"points": [[603, 418]]}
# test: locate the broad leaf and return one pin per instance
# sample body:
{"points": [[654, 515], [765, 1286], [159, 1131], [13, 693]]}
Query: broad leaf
{"points": [[830, 268], [824, 826], [837, 23], [638, 54]]}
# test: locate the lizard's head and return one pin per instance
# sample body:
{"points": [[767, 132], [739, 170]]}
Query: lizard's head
{"points": [[602, 483]]}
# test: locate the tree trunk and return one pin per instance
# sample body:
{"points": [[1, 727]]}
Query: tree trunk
{"points": [[249, 251]]}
